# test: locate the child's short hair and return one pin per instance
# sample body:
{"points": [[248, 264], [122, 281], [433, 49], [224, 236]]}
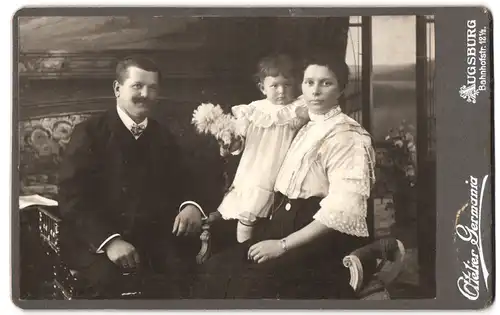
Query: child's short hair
{"points": [[275, 65]]}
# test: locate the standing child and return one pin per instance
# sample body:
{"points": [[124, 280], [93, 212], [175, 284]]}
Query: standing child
{"points": [[269, 126]]}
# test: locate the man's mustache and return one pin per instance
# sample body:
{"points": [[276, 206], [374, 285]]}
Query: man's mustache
{"points": [[142, 100]]}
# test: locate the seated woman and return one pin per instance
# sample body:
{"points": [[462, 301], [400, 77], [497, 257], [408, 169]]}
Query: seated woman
{"points": [[319, 214]]}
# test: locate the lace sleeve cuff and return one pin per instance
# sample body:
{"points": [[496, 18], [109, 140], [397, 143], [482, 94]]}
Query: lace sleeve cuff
{"points": [[345, 213]]}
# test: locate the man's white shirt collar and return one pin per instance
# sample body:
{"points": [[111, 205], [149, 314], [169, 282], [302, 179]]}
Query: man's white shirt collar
{"points": [[128, 122]]}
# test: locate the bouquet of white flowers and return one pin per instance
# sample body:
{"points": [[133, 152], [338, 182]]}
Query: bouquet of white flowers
{"points": [[211, 119]]}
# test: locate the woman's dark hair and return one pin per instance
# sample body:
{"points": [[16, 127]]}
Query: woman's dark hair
{"points": [[275, 65], [143, 63], [332, 61]]}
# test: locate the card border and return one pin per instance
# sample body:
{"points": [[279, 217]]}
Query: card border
{"points": [[446, 20]]}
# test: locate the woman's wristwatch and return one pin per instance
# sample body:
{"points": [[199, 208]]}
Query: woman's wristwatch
{"points": [[284, 245]]}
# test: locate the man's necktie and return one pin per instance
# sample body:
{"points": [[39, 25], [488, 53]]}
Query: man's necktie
{"points": [[137, 130]]}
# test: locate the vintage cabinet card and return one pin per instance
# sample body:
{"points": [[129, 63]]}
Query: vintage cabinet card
{"points": [[225, 158]]}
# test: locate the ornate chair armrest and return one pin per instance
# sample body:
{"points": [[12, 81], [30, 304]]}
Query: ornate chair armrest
{"points": [[389, 269], [204, 252], [385, 256], [49, 221], [356, 270]]}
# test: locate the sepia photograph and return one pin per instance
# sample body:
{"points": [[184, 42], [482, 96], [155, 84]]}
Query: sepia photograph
{"points": [[215, 157]]}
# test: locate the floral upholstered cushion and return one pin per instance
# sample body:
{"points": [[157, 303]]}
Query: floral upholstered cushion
{"points": [[41, 143]]}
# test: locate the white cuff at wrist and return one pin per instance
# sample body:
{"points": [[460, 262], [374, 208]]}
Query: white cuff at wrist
{"points": [[194, 204], [100, 249]]}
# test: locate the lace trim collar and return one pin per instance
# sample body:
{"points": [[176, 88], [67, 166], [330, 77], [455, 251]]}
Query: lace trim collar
{"points": [[264, 114], [322, 117]]}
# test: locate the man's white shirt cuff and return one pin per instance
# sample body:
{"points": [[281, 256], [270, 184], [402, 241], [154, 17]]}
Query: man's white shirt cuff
{"points": [[99, 250], [194, 204]]}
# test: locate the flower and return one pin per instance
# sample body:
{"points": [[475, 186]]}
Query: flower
{"points": [[211, 119], [403, 152], [410, 171], [412, 147], [205, 116], [409, 136], [224, 129]]}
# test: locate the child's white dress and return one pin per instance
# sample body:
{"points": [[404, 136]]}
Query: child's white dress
{"points": [[270, 130]]}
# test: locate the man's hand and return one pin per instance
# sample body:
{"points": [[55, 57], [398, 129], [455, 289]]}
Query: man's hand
{"points": [[122, 253], [187, 221]]}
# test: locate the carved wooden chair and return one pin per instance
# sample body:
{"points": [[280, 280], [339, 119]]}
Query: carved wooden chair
{"points": [[67, 284], [372, 267]]}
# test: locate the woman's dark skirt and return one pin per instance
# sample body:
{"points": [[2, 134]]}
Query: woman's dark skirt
{"points": [[313, 271]]}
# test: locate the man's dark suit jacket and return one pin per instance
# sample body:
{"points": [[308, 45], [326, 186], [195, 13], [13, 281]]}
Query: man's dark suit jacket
{"points": [[112, 183]]}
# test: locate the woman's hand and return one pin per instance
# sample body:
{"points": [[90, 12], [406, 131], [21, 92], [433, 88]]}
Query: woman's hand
{"points": [[265, 250]]}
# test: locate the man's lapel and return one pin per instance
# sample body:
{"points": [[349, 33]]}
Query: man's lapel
{"points": [[119, 132]]}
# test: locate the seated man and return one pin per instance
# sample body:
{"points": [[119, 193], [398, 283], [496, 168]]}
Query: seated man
{"points": [[121, 185]]}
